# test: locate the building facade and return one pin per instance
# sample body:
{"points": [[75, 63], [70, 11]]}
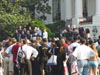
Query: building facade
{"points": [[74, 11]]}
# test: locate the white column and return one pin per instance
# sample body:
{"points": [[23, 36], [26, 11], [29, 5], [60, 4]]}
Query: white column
{"points": [[78, 8], [97, 7], [62, 10], [96, 18], [78, 12], [91, 10], [68, 9]]}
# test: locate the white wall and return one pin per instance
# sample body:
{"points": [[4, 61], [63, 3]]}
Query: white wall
{"points": [[73, 8], [91, 5]]}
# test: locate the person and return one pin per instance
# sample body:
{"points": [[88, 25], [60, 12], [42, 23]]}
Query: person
{"points": [[8, 52], [30, 54], [25, 31], [16, 35], [6, 60], [61, 57], [30, 30], [69, 32], [44, 68], [75, 33], [35, 63], [93, 65], [1, 58], [68, 28], [1, 67], [73, 45], [87, 32], [71, 49], [39, 32], [65, 42], [45, 34], [23, 36], [74, 27], [85, 12], [49, 42], [28, 35], [14, 53], [64, 33], [83, 53], [98, 49], [81, 31], [34, 35], [20, 29]]}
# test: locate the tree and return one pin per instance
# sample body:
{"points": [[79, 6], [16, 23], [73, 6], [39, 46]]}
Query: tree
{"points": [[11, 17], [41, 6]]}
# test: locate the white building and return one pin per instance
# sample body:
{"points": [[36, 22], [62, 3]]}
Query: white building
{"points": [[72, 11]]}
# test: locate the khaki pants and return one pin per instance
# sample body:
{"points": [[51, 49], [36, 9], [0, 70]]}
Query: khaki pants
{"points": [[6, 66], [29, 67], [11, 68]]}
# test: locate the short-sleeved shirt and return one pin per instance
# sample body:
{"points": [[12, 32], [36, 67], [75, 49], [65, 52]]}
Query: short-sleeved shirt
{"points": [[83, 52], [75, 44], [9, 52]]}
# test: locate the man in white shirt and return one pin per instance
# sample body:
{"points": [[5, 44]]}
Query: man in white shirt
{"points": [[30, 53], [73, 45], [83, 53]]}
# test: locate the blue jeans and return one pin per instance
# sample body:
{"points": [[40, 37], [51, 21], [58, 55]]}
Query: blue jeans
{"points": [[83, 67]]}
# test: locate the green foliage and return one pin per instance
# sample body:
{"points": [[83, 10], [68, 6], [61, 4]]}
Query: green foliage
{"points": [[41, 25], [57, 26], [11, 18], [14, 15], [41, 6]]}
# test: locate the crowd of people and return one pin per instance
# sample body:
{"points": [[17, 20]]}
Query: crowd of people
{"points": [[74, 31], [29, 33], [28, 52]]}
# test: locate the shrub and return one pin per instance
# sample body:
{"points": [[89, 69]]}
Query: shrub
{"points": [[57, 26], [41, 25]]}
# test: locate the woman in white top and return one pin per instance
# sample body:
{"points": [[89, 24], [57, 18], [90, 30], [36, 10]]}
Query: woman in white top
{"points": [[45, 34]]}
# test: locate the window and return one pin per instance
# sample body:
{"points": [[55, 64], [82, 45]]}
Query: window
{"points": [[56, 10]]}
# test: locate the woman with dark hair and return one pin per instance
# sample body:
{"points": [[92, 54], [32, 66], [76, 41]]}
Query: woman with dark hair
{"points": [[61, 56]]}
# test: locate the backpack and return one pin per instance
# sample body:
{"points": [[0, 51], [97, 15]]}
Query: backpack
{"points": [[21, 56]]}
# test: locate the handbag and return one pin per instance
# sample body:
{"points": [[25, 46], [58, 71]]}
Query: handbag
{"points": [[53, 59], [21, 56]]}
